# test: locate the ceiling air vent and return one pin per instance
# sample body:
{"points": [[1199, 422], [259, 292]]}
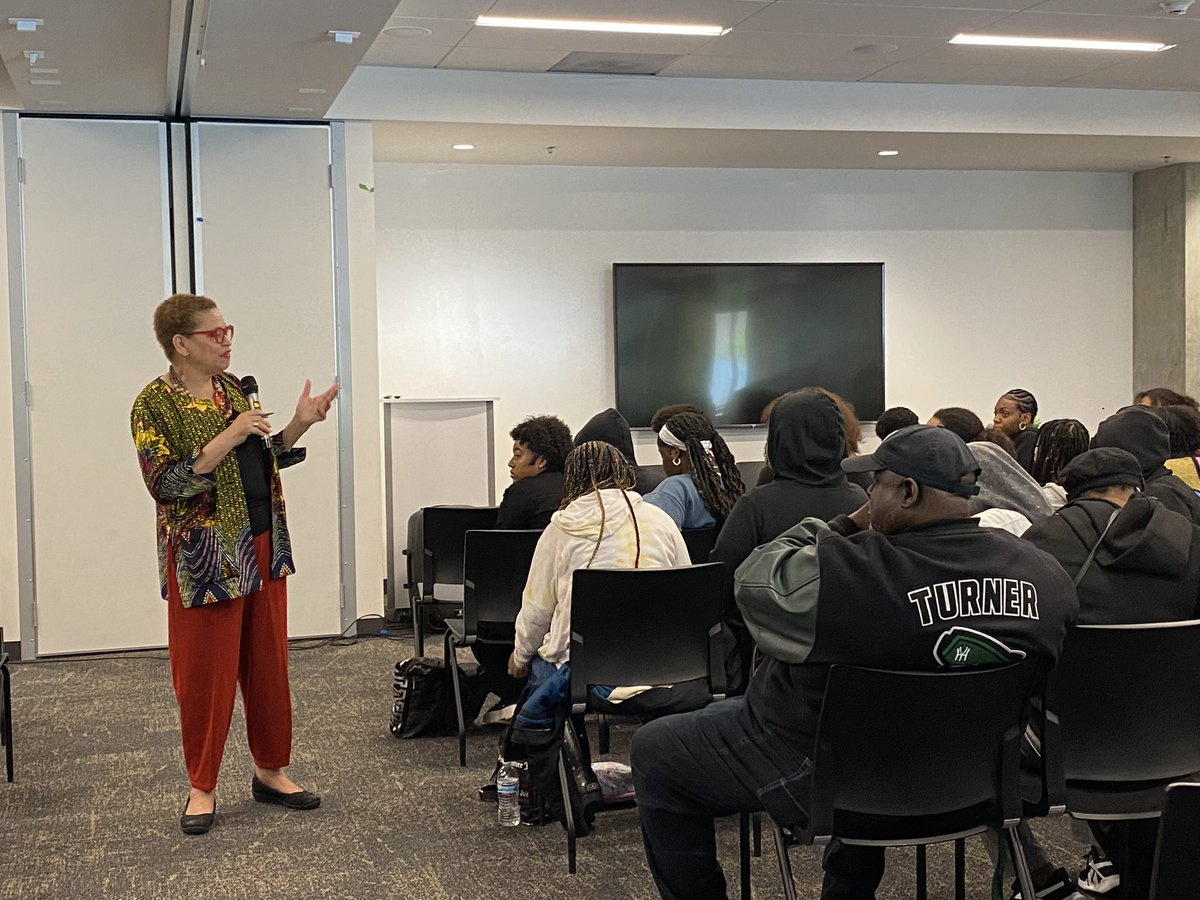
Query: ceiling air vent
{"points": [[614, 63]]}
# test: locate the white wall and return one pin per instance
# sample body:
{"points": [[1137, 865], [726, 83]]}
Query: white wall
{"points": [[495, 280], [10, 613]]}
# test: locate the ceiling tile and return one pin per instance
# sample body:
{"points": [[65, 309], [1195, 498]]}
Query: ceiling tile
{"points": [[920, 72], [797, 69], [700, 12], [443, 9], [406, 55], [567, 41], [788, 45], [999, 5], [1103, 7], [500, 60], [446, 32], [904, 21]]}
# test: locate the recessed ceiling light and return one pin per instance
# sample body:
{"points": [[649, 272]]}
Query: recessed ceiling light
{"points": [[889, 153], [299, 109], [52, 103], [35, 71], [876, 49], [311, 91], [45, 82], [587, 25], [999, 40], [462, 146], [408, 31]]}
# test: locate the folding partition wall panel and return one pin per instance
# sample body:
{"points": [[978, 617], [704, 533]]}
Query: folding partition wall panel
{"points": [[263, 249], [97, 262]]}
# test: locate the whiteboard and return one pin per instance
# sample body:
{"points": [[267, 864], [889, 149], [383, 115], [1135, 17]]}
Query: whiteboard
{"points": [[96, 265]]}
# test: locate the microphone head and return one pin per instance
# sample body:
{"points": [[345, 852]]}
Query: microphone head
{"points": [[249, 384]]}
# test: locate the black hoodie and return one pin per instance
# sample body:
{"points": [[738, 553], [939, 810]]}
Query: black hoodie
{"points": [[1145, 435], [1146, 570], [612, 428], [806, 445]]}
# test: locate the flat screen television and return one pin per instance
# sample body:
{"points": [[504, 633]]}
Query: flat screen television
{"points": [[729, 337]]}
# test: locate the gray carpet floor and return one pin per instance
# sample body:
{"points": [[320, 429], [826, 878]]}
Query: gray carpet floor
{"points": [[100, 784]]}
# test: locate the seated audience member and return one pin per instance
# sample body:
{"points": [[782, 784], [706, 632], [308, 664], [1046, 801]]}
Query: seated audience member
{"points": [[1183, 430], [1008, 498], [1138, 430], [821, 594], [850, 425], [1146, 569], [1016, 415], [703, 480], [893, 420], [1164, 397], [612, 428], [663, 413], [805, 445], [540, 446], [1059, 441], [993, 435], [958, 420]]}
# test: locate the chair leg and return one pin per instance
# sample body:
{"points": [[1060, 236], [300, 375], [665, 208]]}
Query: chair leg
{"points": [[418, 634], [756, 822], [1024, 878], [960, 869], [451, 663], [785, 864], [922, 874], [604, 734], [569, 814], [6, 722], [744, 853]]}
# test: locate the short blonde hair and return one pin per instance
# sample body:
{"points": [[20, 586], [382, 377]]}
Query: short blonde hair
{"points": [[177, 315]]}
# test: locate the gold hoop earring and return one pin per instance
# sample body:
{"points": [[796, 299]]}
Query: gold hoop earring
{"points": [[1022, 426]]}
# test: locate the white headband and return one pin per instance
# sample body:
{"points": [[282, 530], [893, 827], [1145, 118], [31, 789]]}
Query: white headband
{"points": [[665, 435]]}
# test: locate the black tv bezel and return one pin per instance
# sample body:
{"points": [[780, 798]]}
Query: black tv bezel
{"points": [[749, 426]]}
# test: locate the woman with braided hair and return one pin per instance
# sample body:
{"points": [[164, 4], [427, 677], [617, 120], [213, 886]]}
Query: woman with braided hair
{"points": [[1058, 442], [703, 481], [1016, 415], [602, 523]]}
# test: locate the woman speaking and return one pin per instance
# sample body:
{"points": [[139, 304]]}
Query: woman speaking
{"points": [[212, 466]]}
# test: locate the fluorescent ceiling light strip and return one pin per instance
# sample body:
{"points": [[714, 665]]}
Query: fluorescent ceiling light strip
{"points": [[999, 40], [618, 27]]}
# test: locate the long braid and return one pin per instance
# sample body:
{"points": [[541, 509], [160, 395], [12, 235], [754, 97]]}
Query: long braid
{"points": [[1059, 441], [716, 477], [590, 468]]}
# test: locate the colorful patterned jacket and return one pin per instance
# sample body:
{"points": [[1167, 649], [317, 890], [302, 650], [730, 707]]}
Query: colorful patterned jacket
{"points": [[202, 519]]}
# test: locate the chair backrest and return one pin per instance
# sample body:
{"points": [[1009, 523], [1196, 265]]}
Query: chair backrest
{"points": [[495, 568], [932, 752], [700, 542], [435, 547], [750, 471], [646, 626], [1177, 857], [1127, 698]]}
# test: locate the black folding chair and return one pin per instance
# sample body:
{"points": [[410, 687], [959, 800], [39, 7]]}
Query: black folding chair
{"points": [[1177, 857], [915, 758], [6, 710], [1127, 698], [699, 543], [642, 627], [434, 558], [495, 567]]}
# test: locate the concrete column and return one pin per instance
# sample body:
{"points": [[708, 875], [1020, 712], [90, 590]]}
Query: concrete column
{"points": [[1166, 278]]}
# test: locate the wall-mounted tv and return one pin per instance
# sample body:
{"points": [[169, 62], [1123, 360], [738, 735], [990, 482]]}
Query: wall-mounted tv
{"points": [[729, 337]]}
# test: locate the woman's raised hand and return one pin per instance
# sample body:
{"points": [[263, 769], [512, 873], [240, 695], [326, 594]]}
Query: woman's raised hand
{"points": [[310, 409]]}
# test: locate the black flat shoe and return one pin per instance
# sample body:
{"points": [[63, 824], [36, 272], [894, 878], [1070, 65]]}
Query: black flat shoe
{"points": [[294, 800], [197, 824]]}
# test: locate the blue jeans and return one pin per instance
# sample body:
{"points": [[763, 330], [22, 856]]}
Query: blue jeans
{"points": [[689, 769]]}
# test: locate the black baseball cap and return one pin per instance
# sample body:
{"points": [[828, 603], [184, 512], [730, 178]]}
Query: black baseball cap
{"points": [[929, 455]]}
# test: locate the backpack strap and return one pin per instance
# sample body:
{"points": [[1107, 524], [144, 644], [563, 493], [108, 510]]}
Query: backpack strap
{"points": [[1087, 563]]}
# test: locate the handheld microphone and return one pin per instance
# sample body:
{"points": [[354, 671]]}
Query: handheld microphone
{"points": [[250, 389]]}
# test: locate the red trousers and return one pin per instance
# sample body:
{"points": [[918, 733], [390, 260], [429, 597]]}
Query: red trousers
{"points": [[218, 646]]}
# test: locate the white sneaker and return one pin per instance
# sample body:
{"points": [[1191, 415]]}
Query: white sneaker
{"points": [[1099, 875]]}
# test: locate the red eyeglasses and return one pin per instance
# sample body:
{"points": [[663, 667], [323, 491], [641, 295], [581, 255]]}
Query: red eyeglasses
{"points": [[220, 335]]}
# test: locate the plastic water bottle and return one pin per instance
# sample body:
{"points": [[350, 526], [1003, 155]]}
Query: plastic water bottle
{"points": [[508, 808]]}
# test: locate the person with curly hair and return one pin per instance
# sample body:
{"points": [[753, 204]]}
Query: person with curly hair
{"points": [[540, 446]]}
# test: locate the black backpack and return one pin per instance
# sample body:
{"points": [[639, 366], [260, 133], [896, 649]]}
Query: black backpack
{"points": [[422, 704]]}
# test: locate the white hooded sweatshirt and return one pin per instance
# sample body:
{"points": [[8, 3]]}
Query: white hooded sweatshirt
{"points": [[544, 623]]}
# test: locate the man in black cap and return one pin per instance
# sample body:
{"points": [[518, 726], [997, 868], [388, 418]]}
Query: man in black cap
{"points": [[1146, 568], [909, 581]]}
